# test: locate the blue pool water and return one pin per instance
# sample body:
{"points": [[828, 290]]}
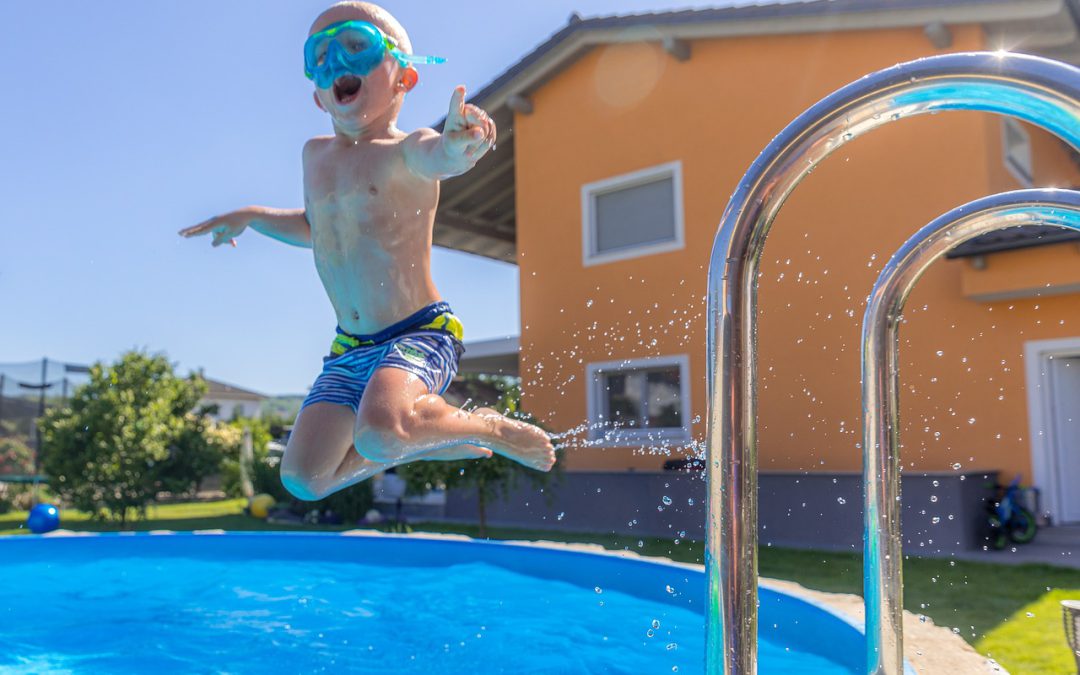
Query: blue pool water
{"points": [[289, 603]]}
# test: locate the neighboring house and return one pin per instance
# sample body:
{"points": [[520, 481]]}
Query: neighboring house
{"points": [[232, 401], [495, 357], [620, 141]]}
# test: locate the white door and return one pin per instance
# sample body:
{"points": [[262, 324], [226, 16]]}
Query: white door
{"points": [[1065, 421]]}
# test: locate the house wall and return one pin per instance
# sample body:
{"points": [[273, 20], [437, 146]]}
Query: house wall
{"points": [[942, 512], [626, 107]]}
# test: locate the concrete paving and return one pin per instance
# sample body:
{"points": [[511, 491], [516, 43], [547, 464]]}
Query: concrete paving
{"points": [[1059, 545]]}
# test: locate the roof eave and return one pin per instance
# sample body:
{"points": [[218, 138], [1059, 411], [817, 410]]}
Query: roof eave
{"points": [[461, 222]]}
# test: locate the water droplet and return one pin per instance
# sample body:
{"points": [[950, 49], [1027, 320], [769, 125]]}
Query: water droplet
{"points": [[655, 623], [598, 589], [666, 500], [562, 514], [841, 500]]}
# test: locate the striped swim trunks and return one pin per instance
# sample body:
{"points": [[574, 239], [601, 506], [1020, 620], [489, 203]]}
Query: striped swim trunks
{"points": [[426, 344]]}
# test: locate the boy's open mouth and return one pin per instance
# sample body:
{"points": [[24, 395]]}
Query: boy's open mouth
{"points": [[347, 88]]}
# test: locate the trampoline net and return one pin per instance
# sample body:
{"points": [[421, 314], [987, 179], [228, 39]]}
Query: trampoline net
{"points": [[27, 389]]}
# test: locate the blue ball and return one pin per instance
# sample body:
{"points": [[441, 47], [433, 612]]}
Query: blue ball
{"points": [[43, 518]]}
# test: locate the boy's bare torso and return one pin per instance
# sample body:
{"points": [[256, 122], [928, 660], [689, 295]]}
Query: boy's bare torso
{"points": [[371, 229], [370, 194]]}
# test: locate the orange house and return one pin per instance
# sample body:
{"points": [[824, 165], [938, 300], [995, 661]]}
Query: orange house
{"points": [[621, 140]]}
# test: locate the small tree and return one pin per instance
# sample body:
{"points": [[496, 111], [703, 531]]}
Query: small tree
{"points": [[16, 457], [265, 473], [349, 504], [128, 434], [492, 478]]}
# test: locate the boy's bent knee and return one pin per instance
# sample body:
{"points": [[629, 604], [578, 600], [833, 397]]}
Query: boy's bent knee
{"points": [[301, 484], [377, 445], [381, 435]]}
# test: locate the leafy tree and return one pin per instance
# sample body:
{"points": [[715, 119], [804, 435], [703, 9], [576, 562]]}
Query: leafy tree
{"points": [[197, 452], [16, 457], [265, 476], [350, 504], [492, 478], [128, 434]]}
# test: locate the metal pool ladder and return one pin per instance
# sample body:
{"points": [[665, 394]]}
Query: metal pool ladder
{"points": [[1040, 91]]}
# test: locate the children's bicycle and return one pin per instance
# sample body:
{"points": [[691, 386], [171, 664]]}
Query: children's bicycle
{"points": [[1007, 517]]}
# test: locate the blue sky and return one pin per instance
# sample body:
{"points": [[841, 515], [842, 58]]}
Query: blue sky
{"points": [[125, 121]]}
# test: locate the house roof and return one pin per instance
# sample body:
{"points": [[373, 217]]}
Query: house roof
{"points": [[1013, 238], [498, 356], [476, 212], [218, 389]]}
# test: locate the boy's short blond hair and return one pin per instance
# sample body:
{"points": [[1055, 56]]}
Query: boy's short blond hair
{"points": [[376, 15]]}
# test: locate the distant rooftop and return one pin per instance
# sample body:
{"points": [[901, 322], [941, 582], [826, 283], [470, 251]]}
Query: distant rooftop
{"points": [[218, 389], [491, 357], [1013, 238]]}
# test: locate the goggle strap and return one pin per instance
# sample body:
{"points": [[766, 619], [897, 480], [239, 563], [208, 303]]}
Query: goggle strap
{"points": [[416, 58]]}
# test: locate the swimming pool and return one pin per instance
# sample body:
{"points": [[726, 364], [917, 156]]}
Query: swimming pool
{"points": [[285, 602]]}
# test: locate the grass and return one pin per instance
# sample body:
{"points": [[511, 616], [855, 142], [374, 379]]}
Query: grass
{"points": [[987, 604], [1033, 636], [224, 515]]}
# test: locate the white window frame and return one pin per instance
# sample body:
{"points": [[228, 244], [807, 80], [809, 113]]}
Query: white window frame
{"points": [[621, 438], [1014, 165], [1040, 424], [589, 192]]}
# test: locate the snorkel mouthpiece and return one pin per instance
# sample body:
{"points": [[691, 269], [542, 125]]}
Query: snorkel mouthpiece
{"points": [[352, 48]]}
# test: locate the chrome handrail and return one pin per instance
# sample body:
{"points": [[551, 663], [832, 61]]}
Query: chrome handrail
{"points": [[1043, 92], [883, 553]]}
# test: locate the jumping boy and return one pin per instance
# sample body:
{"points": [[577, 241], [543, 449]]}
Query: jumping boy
{"points": [[370, 193]]}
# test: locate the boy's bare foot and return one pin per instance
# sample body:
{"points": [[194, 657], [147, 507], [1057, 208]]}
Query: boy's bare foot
{"points": [[464, 451], [522, 442]]}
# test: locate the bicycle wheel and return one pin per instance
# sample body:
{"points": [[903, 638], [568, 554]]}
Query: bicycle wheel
{"points": [[996, 534], [1022, 527]]}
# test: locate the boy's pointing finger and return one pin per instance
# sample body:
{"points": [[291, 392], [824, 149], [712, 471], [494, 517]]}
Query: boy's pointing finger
{"points": [[457, 105]]}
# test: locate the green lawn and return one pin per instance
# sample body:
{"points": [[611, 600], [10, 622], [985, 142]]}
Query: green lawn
{"points": [[1009, 612]]}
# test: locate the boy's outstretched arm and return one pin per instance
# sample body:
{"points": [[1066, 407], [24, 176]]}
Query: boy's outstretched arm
{"points": [[467, 136], [287, 225]]}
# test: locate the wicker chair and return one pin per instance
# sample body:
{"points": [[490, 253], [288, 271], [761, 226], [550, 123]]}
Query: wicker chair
{"points": [[1071, 610]]}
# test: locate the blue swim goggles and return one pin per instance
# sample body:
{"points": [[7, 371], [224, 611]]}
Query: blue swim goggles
{"points": [[352, 48]]}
